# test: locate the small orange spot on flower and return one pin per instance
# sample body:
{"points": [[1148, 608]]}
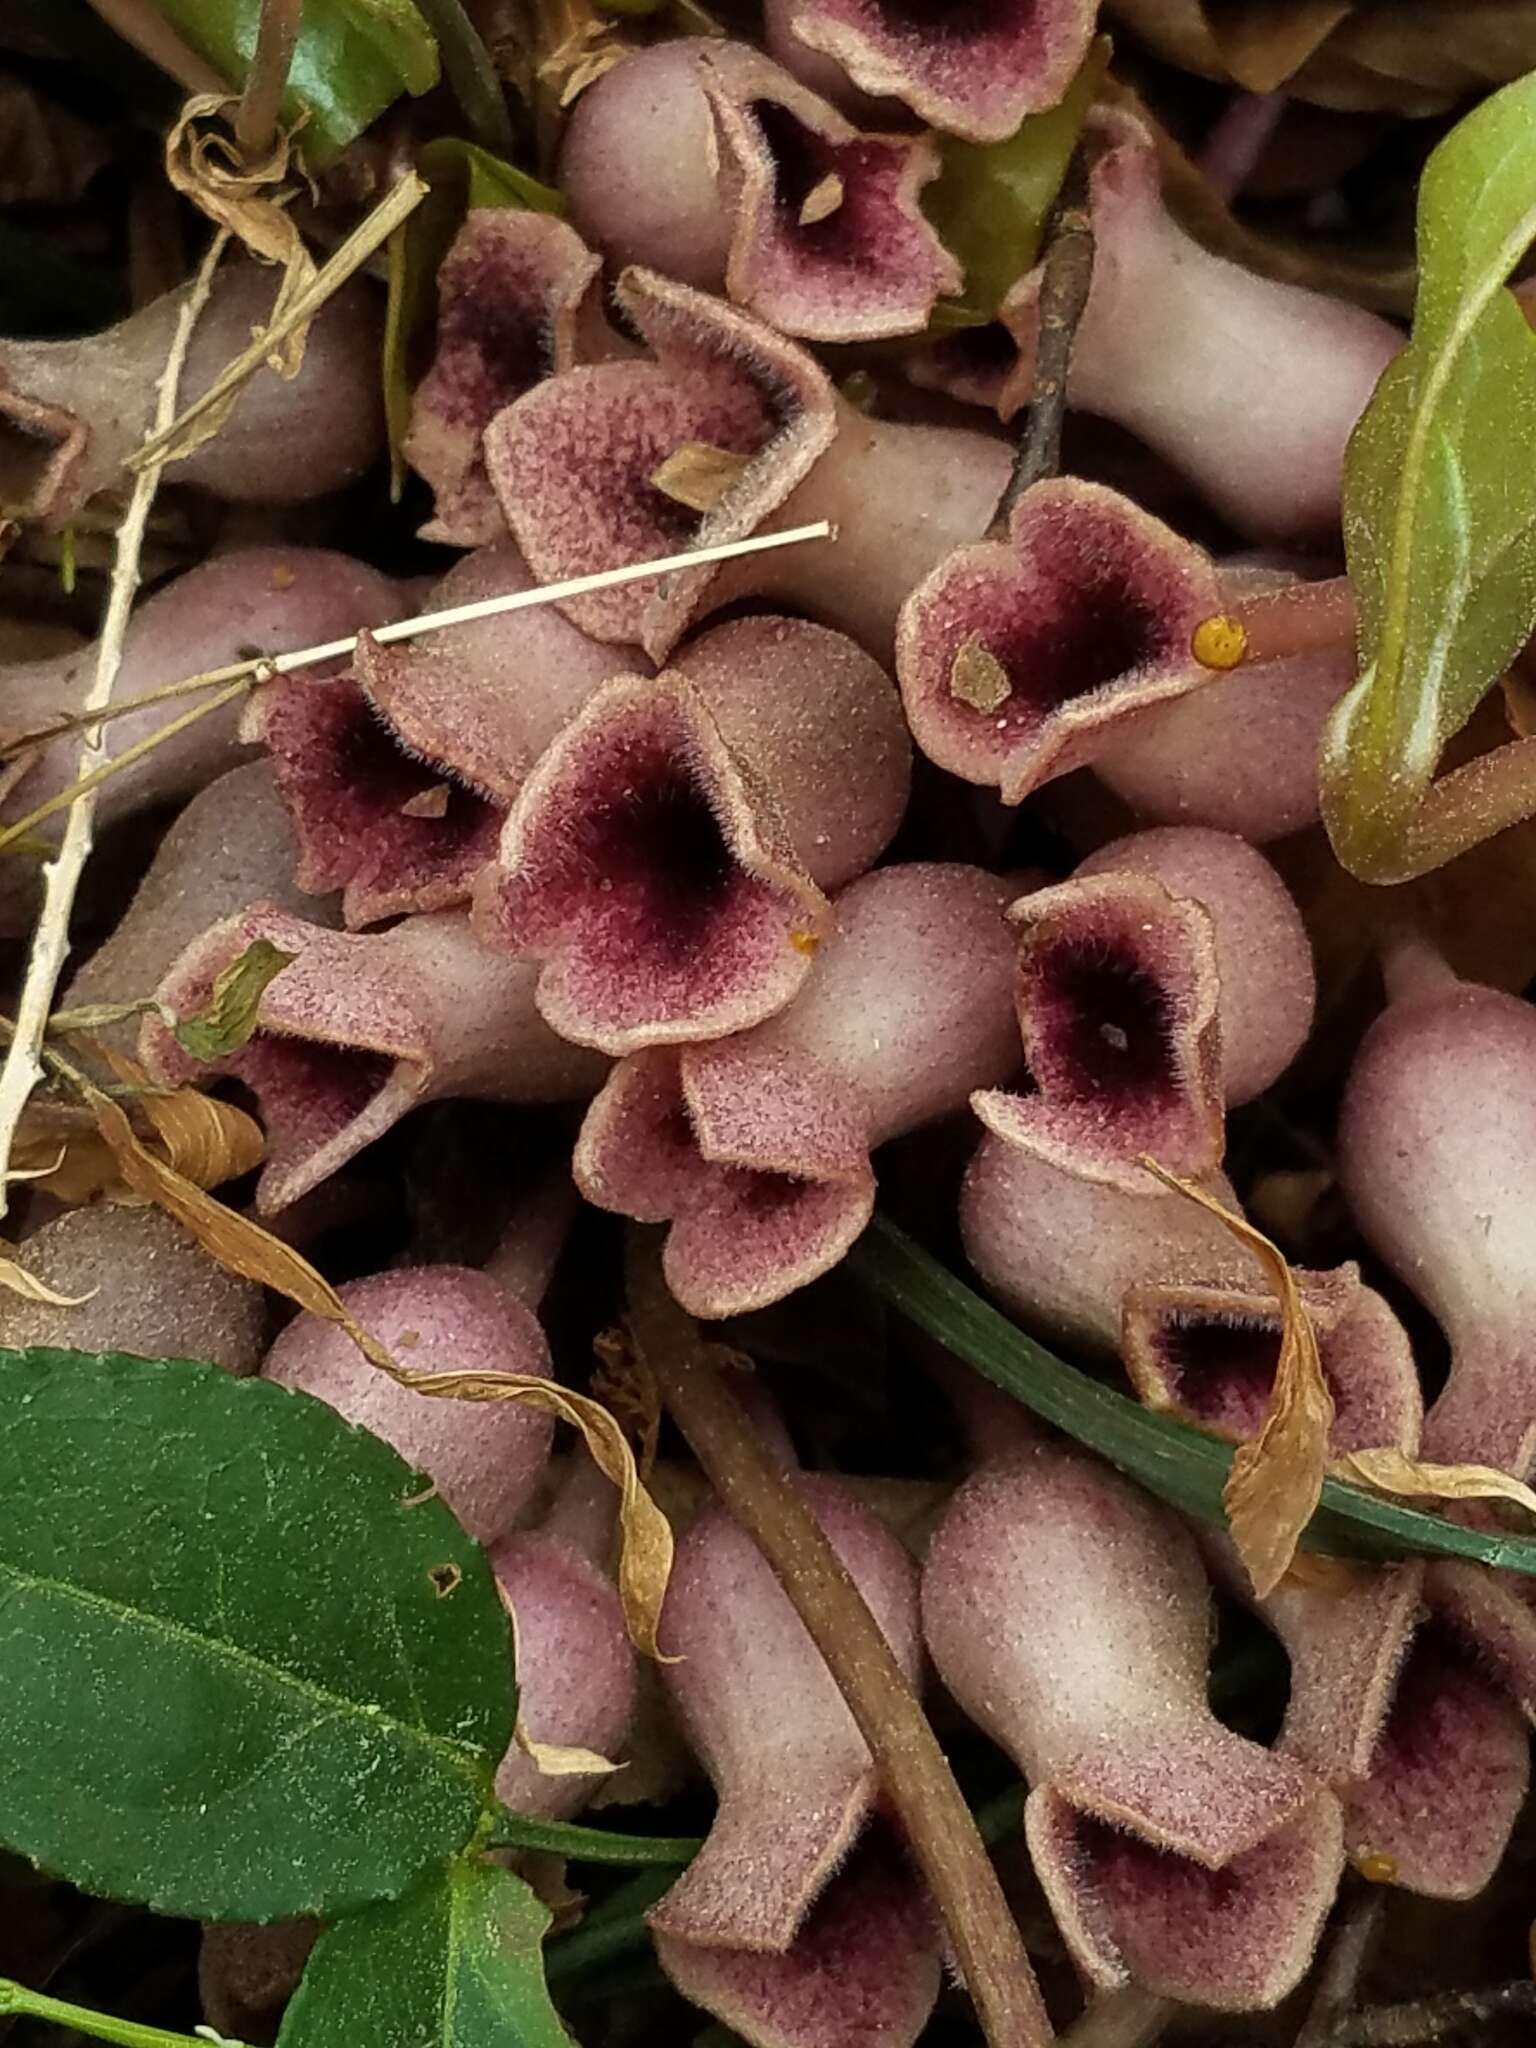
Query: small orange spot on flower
{"points": [[1374, 1867], [282, 576], [804, 942], [1219, 642]]}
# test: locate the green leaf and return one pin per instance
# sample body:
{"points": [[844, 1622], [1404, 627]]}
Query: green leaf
{"points": [[589, 1845], [991, 202], [1180, 1465], [1439, 500], [354, 58], [460, 176], [234, 1685], [228, 1017], [457, 1964]]}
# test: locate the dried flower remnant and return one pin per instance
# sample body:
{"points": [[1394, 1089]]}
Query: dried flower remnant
{"points": [[1171, 975], [261, 599], [363, 1027], [1174, 1854], [72, 412], [573, 462], [668, 855], [1021, 659], [1248, 387], [512, 292], [973, 68], [756, 1148], [399, 773], [704, 159]]}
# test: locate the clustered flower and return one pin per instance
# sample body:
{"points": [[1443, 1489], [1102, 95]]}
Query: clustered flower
{"points": [[719, 863]]}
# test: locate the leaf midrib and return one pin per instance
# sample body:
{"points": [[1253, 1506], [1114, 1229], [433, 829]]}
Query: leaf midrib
{"points": [[465, 1757]]}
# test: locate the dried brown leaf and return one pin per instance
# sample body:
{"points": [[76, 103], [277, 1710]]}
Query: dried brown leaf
{"points": [[243, 1247], [698, 475], [625, 1383], [978, 678], [249, 199], [577, 44], [1392, 1471], [1276, 1479], [17, 1280]]}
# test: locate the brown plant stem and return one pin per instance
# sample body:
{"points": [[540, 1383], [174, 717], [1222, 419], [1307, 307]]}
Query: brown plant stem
{"points": [[141, 23], [1122, 2019], [1435, 2019], [1339, 1976], [912, 1767], [276, 40], [1067, 275]]}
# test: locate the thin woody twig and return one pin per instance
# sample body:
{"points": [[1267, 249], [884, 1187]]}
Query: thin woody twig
{"points": [[23, 1066], [276, 40], [914, 1773], [1067, 274]]}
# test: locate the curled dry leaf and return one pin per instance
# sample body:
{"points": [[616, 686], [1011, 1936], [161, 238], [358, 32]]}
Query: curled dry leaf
{"points": [[1392, 1471], [243, 1247], [1277, 1477], [72, 1158], [250, 200], [625, 1383], [17, 1280]]}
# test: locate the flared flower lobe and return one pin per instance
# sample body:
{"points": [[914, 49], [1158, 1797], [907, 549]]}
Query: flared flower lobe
{"points": [[360, 1028], [1173, 1852], [511, 292], [399, 773], [795, 1779], [652, 876], [1020, 659], [574, 462], [756, 1147], [971, 67]]}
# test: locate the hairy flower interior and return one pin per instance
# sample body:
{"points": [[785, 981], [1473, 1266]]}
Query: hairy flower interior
{"points": [[1102, 1026]]}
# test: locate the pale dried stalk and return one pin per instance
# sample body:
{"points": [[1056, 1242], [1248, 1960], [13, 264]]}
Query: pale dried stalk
{"points": [[240, 676], [23, 1067], [181, 434]]}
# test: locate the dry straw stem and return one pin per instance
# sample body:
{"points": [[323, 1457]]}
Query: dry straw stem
{"points": [[240, 676], [61, 876], [181, 435], [1276, 1479], [942, 1833]]}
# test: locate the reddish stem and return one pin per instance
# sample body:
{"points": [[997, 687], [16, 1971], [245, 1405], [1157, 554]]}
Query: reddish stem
{"points": [[1300, 618]]}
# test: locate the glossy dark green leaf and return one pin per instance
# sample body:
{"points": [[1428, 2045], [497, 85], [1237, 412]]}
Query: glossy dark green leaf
{"points": [[458, 1963], [249, 1670], [354, 58], [1181, 1465], [992, 200], [460, 176], [1440, 494]]}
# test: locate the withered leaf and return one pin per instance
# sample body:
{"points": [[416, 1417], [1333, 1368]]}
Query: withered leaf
{"points": [[17, 1280], [1277, 1477], [978, 678], [244, 1247], [228, 1018], [427, 803], [698, 475], [72, 1158], [1389, 1470]]}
